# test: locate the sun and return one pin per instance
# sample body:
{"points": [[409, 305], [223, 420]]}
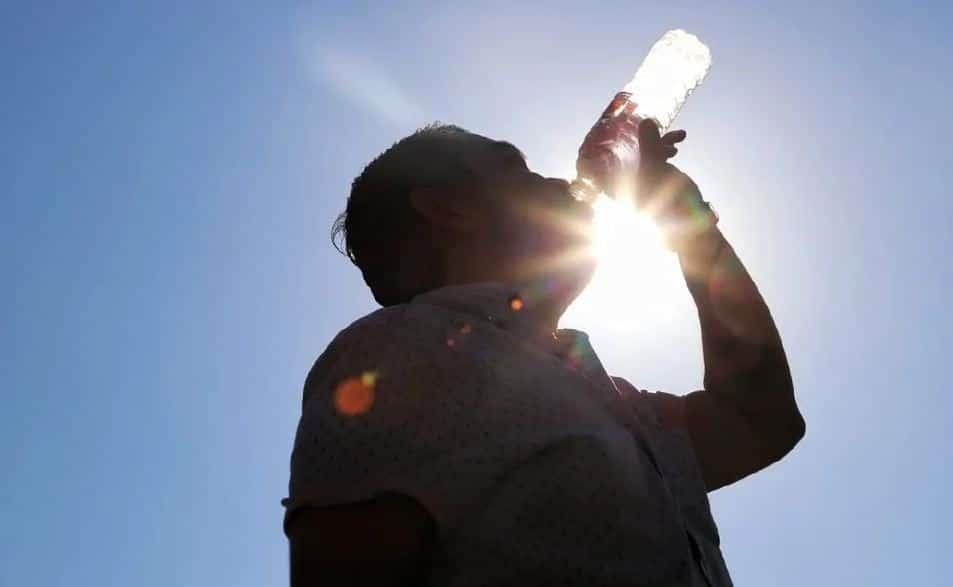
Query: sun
{"points": [[622, 236], [636, 278]]}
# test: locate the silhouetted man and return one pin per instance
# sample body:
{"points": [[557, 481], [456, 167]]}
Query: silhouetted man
{"points": [[456, 437]]}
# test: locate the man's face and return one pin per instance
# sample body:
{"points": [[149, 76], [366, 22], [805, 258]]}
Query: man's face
{"points": [[537, 232]]}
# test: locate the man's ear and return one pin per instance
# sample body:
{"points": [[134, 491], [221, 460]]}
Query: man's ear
{"points": [[454, 212]]}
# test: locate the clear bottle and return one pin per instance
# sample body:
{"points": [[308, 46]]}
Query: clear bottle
{"points": [[675, 65]]}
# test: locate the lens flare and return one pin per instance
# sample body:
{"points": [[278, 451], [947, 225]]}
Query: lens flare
{"points": [[355, 395]]}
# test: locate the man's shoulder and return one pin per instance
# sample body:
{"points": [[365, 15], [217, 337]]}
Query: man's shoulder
{"points": [[404, 333], [379, 323], [385, 326], [665, 409]]}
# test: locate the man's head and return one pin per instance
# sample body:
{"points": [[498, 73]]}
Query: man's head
{"points": [[444, 206]]}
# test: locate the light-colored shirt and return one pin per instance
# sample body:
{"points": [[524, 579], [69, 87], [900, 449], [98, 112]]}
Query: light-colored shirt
{"points": [[537, 467]]}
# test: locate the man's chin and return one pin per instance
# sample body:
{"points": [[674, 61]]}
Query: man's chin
{"points": [[560, 287], [575, 281]]}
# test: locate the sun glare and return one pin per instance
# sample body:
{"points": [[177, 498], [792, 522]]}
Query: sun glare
{"points": [[637, 276], [621, 235]]}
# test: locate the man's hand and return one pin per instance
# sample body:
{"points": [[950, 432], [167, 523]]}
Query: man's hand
{"points": [[664, 192], [655, 150]]}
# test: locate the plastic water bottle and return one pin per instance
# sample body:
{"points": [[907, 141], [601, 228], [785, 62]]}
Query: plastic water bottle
{"points": [[675, 65]]}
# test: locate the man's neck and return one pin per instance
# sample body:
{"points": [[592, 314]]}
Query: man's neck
{"points": [[524, 304]]}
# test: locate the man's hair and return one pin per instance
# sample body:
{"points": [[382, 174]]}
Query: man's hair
{"points": [[381, 232]]}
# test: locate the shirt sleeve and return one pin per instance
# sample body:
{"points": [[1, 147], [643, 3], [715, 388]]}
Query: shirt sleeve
{"points": [[719, 435], [385, 411]]}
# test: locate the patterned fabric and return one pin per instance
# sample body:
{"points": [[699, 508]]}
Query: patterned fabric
{"points": [[536, 465]]}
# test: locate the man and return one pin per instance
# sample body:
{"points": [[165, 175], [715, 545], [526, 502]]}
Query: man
{"points": [[456, 437]]}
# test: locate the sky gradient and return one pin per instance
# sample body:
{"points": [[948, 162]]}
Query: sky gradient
{"points": [[171, 175]]}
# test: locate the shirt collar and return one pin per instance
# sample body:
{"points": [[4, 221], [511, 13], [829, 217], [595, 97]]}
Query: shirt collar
{"points": [[511, 308], [507, 306]]}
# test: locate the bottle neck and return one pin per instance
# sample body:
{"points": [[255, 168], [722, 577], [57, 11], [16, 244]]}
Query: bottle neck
{"points": [[584, 190]]}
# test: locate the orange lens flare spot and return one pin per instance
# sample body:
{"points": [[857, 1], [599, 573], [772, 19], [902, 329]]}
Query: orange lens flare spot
{"points": [[516, 304], [355, 395]]}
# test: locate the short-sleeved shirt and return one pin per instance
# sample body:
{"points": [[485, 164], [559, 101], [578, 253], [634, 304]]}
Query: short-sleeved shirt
{"points": [[537, 467]]}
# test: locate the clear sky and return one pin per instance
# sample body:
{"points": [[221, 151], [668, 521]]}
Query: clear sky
{"points": [[170, 175]]}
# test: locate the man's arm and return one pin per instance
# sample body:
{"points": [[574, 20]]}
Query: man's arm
{"points": [[746, 417]]}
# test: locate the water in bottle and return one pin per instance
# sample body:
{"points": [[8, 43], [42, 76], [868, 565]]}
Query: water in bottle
{"points": [[675, 65]]}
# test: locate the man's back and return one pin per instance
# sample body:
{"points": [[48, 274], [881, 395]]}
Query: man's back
{"points": [[521, 448]]}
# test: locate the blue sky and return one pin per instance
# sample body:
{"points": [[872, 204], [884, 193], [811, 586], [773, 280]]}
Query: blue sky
{"points": [[171, 173]]}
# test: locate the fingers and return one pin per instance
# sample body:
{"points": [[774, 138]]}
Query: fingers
{"points": [[655, 147], [648, 132], [666, 145], [659, 151], [653, 150], [675, 136]]}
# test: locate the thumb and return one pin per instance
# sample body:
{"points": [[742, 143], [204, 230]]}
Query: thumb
{"points": [[648, 133]]}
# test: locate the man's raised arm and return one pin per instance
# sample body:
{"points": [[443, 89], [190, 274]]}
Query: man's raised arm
{"points": [[746, 417]]}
